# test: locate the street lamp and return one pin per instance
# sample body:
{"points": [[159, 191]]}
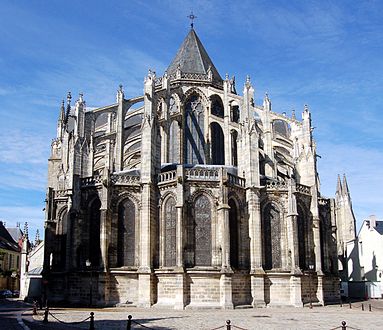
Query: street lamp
{"points": [[311, 268], [88, 265]]}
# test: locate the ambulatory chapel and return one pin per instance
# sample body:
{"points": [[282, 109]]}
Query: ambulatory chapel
{"points": [[191, 195]]}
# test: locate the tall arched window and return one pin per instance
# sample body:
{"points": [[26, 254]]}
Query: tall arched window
{"points": [[217, 106], [234, 154], [272, 236], [302, 237], [170, 232], [126, 240], [174, 142], [194, 131], [202, 231], [217, 145], [94, 233], [234, 239]]}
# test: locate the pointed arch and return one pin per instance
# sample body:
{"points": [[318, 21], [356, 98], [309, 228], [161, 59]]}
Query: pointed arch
{"points": [[234, 233], [234, 147], [194, 130], [272, 229], [216, 107], [94, 232], [202, 231], [126, 233], [169, 232], [217, 144], [174, 142]]}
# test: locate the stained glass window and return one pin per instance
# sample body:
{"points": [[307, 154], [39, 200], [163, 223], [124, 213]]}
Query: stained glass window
{"points": [[194, 131], [170, 232], [217, 145], [126, 240], [272, 237], [202, 231]]}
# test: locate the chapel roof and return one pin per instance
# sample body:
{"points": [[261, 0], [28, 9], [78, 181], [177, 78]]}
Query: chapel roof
{"points": [[192, 57]]}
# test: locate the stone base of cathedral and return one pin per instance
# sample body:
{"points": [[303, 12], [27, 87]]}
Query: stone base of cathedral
{"points": [[192, 289]]}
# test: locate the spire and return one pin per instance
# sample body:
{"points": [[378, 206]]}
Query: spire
{"points": [[68, 99], [37, 237], [339, 190], [26, 230], [62, 112], [345, 189], [193, 58]]}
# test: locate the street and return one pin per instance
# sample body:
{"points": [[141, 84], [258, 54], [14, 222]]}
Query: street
{"points": [[9, 311]]}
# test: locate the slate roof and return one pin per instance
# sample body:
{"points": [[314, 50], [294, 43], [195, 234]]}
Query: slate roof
{"points": [[193, 58], [6, 240], [379, 227]]}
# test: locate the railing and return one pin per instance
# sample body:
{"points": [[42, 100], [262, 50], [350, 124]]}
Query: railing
{"points": [[236, 180], [91, 181], [204, 174], [167, 176], [276, 185], [303, 189], [125, 179], [60, 193]]}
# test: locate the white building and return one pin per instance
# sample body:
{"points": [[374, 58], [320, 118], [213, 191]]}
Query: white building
{"points": [[365, 257]]}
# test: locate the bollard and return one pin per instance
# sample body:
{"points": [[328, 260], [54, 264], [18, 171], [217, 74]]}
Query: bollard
{"points": [[129, 326], [362, 307], [91, 323], [46, 315], [344, 327], [228, 325], [369, 308], [350, 305], [341, 304], [35, 307]]}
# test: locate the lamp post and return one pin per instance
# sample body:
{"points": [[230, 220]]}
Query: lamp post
{"points": [[311, 268], [88, 265]]}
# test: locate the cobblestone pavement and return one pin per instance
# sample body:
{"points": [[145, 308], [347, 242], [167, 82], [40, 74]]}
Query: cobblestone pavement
{"points": [[329, 317]]}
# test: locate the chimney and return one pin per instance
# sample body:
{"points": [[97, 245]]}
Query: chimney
{"points": [[372, 219]]}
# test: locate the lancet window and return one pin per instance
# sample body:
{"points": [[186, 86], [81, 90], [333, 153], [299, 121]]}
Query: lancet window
{"points": [[234, 153], [126, 241], [194, 131], [234, 238], [202, 231], [217, 106], [174, 142], [302, 237], [170, 232], [217, 144], [94, 232], [272, 237]]}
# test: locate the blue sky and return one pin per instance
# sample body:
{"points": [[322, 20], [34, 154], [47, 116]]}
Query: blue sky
{"points": [[327, 54]]}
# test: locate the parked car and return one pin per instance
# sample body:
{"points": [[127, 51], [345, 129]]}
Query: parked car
{"points": [[15, 293], [5, 294]]}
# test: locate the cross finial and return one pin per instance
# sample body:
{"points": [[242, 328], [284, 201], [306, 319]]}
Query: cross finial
{"points": [[192, 17]]}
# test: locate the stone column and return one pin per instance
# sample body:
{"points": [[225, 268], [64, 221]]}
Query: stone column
{"points": [[255, 232]]}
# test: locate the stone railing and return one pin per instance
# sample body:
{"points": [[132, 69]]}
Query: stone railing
{"points": [[276, 185], [236, 180], [323, 201], [204, 174], [61, 193], [167, 176], [303, 189], [91, 181], [125, 179]]}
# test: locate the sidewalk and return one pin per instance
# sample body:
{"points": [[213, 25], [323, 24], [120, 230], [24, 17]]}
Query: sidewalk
{"points": [[328, 317]]}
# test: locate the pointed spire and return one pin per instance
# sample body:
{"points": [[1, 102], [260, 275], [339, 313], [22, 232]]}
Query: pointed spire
{"points": [[345, 189], [339, 190], [293, 117], [62, 112], [192, 57], [37, 237], [68, 100], [26, 230]]}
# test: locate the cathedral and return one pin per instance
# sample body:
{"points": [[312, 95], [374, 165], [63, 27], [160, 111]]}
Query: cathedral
{"points": [[190, 196]]}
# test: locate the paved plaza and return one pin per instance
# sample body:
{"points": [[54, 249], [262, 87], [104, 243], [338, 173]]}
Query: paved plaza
{"points": [[329, 317]]}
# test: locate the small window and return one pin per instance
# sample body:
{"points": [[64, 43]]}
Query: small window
{"points": [[217, 106], [234, 113]]}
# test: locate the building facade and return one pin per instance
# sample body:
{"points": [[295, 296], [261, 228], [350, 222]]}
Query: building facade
{"points": [[190, 195], [365, 260]]}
